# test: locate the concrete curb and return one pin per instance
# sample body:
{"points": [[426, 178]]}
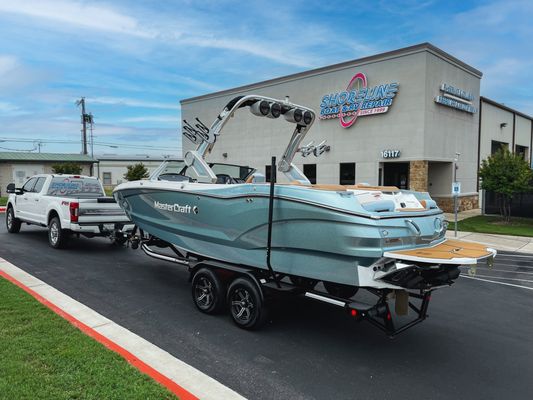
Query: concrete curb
{"points": [[185, 381], [2, 209]]}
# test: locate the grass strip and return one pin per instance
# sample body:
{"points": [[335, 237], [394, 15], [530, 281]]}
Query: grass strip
{"points": [[495, 224], [42, 356]]}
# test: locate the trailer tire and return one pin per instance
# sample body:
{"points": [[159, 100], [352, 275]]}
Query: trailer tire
{"points": [[306, 283], [12, 224], [207, 291], [246, 304], [57, 237], [340, 290]]}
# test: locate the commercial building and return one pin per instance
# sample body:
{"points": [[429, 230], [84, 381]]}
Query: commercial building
{"points": [[17, 166], [402, 118], [111, 168]]}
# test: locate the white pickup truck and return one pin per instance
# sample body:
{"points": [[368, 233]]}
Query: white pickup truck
{"points": [[66, 205]]}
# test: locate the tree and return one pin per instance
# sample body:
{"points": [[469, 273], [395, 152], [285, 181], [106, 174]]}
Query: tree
{"points": [[67, 168], [136, 172], [506, 174]]}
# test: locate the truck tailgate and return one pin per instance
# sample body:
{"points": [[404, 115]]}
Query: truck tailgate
{"points": [[101, 212]]}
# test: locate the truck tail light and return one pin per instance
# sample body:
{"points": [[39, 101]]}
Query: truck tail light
{"points": [[74, 211]]}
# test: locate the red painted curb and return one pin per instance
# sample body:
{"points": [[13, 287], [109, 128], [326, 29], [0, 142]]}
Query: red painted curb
{"points": [[182, 393], [2, 209]]}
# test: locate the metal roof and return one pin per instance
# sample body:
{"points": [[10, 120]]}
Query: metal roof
{"points": [[58, 157], [343, 65]]}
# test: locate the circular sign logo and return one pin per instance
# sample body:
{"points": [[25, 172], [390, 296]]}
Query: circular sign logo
{"points": [[358, 82]]}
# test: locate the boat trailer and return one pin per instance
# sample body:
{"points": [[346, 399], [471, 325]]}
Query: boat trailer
{"points": [[246, 290]]}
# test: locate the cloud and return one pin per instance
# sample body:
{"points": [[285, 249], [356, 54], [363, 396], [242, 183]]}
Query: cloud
{"points": [[153, 118], [10, 110], [122, 101], [7, 64], [90, 16]]}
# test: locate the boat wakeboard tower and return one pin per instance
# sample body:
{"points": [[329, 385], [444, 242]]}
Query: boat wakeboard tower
{"points": [[243, 239], [260, 106]]}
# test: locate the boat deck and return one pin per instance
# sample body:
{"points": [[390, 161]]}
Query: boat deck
{"points": [[448, 252]]}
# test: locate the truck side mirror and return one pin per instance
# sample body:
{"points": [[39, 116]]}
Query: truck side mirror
{"points": [[10, 188]]}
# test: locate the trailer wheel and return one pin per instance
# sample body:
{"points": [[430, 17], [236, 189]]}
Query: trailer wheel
{"points": [[57, 237], [207, 291], [306, 283], [246, 305], [340, 290]]}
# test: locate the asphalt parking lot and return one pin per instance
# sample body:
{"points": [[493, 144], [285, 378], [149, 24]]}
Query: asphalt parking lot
{"points": [[476, 344]]}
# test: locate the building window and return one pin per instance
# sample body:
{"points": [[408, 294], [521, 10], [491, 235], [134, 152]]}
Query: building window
{"points": [[267, 172], [495, 146], [347, 174], [522, 151], [106, 177], [310, 172]]}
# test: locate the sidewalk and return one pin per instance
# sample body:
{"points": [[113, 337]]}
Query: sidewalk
{"points": [[499, 242]]}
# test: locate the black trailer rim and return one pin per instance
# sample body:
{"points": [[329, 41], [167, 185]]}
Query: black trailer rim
{"points": [[242, 305], [204, 293]]}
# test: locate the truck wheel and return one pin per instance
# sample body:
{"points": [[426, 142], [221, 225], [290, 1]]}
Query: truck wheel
{"points": [[207, 291], [57, 237], [247, 308], [340, 290], [12, 223]]}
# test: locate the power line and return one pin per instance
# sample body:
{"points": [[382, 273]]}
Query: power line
{"points": [[95, 143]]}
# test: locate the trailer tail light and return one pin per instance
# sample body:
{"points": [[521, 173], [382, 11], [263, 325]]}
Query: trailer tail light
{"points": [[74, 208], [353, 312]]}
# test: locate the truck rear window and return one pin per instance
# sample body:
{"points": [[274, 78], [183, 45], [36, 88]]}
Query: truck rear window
{"points": [[79, 187]]}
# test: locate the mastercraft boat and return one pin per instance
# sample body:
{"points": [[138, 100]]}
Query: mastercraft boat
{"points": [[360, 236], [242, 237]]}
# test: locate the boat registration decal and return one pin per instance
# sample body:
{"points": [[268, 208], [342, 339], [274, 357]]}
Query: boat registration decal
{"points": [[184, 209]]}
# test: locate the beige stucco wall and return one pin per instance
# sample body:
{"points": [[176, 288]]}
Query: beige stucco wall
{"points": [[523, 132]]}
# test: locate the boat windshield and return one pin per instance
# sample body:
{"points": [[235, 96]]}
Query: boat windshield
{"points": [[234, 171], [177, 171]]}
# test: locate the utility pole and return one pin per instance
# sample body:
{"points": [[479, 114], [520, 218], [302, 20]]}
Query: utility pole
{"points": [[91, 122], [84, 125]]}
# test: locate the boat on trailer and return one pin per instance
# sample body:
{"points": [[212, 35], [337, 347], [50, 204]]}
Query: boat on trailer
{"points": [[242, 237]]}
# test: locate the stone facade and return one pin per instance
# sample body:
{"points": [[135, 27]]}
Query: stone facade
{"points": [[465, 203], [418, 176]]}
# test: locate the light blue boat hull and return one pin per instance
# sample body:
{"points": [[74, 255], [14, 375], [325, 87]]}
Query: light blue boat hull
{"points": [[323, 235]]}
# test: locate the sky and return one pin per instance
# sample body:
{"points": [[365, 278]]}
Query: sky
{"points": [[134, 61]]}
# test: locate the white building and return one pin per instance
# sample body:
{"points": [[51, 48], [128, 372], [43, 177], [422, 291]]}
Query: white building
{"points": [[406, 114]]}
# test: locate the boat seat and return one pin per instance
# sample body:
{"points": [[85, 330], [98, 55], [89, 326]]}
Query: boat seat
{"points": [[332, 187], [374, 188]]}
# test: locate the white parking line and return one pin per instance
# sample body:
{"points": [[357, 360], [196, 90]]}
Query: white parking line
{"points": [[186, 377], [514, 255], [507, 279], [500, 283]]}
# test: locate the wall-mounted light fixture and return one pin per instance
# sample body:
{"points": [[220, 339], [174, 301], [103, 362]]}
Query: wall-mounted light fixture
{"points": [[503, 125], [225, 155]]}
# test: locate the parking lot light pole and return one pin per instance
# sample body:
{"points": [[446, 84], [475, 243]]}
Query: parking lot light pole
{"points": [[455, 195]]}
